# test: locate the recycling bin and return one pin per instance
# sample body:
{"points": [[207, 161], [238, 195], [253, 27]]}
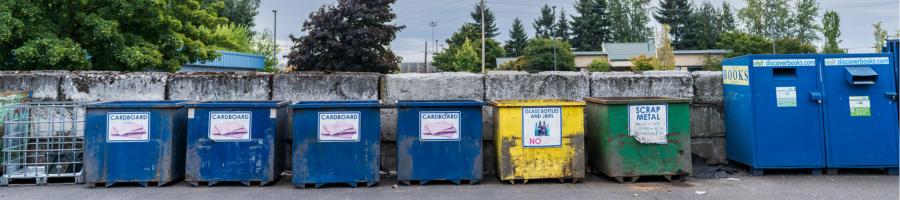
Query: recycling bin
{"points": [[773, 113], [439, 140], [336, 142], [630, 137], [539, 139], [860, 103], [236, 141], [134, 141]]}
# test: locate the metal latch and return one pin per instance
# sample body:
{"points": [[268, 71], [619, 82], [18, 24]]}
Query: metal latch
{"points": [[891, 94], [816, 96]]}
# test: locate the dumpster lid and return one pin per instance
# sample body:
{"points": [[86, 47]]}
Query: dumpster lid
{"points": [[436, 103], [636, 100], [537, 102], [139, 104], [237, 104], [337, 104]]}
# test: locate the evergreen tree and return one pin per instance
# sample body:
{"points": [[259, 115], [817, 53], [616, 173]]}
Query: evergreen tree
{"points": [[544, 24], [490, 28], [806, 28], [708, 26], [679, 16], [630, 17], [728, 23], [831, 23], [562, 26], [518, 39], [591, 28], [758, 16]]}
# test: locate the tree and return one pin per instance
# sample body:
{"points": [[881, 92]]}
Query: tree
{"points": [[543, 25], [806, 28], [642, 63], [263, 44], [490, 28], [630, 20], [707, 26], [238, 12], [562, 26], [466, 59], [758, 16], [493, 52], [351, 36], [831, 23], [518, 39], [539, 54], [741, 43], [591, 28], [710, 63], [664, 50], [237, 38], [445, 61], [793, 46], [120, 36], [728, 23], [880, 35], [466, 31], [678, 15], [599, 65], [520, 64]]}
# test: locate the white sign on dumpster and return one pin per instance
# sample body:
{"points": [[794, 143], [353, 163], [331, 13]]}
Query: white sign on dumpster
{"points": [[648, 123]]}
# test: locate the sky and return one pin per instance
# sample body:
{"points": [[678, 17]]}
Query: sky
{"points": [[857, 18]]}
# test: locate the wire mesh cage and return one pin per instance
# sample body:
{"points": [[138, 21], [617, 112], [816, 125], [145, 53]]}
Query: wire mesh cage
{"points": [[41, 141]]}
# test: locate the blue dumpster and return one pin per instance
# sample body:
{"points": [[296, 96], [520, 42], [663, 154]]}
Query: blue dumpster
{"points": [[134, 141], [860, 101], [439, 140], [241, 141], [892, 46], [773, 112], [336, 142]]}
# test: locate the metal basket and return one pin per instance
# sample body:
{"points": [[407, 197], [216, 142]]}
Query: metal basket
{"points": [[43, 140]]}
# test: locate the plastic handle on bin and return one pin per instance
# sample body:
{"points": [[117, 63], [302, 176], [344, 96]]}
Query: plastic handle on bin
{"points": [[891, 94], [816, 96]]}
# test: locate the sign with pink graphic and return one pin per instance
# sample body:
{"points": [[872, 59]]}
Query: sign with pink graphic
{"points": [[128, 126], [338, 126], [439, 125], [229, 126]]}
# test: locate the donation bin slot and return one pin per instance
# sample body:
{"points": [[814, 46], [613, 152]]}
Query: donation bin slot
{"points": [[860, 75], [784, 74]]}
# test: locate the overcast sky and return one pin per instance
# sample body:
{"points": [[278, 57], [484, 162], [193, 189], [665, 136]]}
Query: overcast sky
{"points": [[857, 18]]}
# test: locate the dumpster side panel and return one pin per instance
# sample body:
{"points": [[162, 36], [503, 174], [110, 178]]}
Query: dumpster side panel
{"points": [[597, 138], [739, 130], [439, 160], [516, 162], [335, 162], [252, 160]]}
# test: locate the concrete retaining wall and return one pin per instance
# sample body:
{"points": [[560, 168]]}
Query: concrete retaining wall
{"points": [[544, 85], [642, 84], [220, 86], [44, 85], [113, 86], [320, 86], [436, 86]]}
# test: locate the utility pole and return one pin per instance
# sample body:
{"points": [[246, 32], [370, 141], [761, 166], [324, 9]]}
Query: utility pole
{"points": [[771, 27], [426, 57], [553, 37], [482, 38]]}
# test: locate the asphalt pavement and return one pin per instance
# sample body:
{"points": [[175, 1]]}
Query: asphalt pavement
{"points": [[790, 184]]}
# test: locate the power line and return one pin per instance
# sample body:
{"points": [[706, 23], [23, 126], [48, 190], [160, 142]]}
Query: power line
{"points": [[426, 17], [429, 8]]}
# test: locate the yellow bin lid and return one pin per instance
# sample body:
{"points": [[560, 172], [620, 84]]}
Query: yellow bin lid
{"points": [[537, 102]]}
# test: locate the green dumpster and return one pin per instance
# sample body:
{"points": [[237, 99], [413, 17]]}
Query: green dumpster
{"points": [[630, 137]]}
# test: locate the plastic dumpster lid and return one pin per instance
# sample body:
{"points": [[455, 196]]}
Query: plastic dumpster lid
{"points": [[139, 104], [337, 104], [435, 103], [537, 102], [237, 104], [636, 100]]}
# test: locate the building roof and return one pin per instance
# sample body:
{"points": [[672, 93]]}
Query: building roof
{"points": [[590, 53], [708, 51], [624, 51], [231, 59]]}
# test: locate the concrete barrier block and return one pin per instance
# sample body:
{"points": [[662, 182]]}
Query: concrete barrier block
{"points": [[113, 86], [436, 86], [389, 156], [44, 85], [389, 124], [713, 149], [487, 123], [220, 86], [642, 84], [708, 87], [707, 120], [326, 86], [544, 85]]}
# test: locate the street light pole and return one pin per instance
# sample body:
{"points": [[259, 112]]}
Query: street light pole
{"points": [[482, 38], [553, 32], [433, 24]]}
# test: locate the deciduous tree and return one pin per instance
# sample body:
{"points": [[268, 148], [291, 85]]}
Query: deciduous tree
{"points": [[880, 35], [741, 43], [831, 29]]}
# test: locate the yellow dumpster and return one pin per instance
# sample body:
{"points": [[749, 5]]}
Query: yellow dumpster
{"points": [[539, 139]]}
